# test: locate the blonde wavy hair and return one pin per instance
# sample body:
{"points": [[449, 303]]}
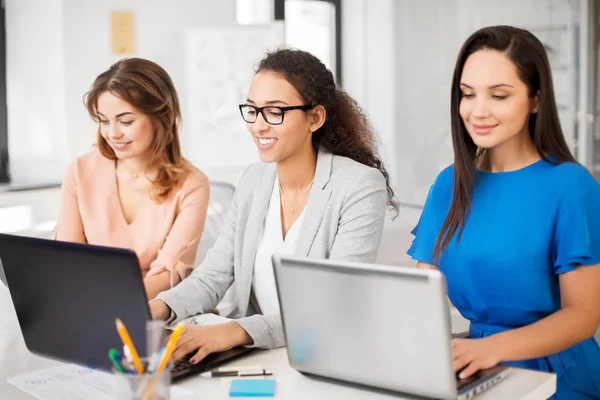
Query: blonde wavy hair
{"points": [[147, 87]]}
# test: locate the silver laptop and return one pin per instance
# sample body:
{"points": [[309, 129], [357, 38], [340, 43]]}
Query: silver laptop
{"points": [[386, 327]]}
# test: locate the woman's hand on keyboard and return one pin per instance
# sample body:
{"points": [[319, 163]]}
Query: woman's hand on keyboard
{"points": [[207, 339], [471, 355]]}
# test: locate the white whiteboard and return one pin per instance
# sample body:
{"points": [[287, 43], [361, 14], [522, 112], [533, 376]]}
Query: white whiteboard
{"points": [[220, 65]]}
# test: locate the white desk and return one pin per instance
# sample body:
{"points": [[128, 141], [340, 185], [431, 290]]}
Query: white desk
{"points": [[291, 385], [15, 359]]}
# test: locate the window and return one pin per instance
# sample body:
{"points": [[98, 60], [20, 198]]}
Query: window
{"points": [[314, 26], [254, 11]]}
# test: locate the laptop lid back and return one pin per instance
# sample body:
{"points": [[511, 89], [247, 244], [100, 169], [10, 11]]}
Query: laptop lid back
{"points": [[67, 296], [382, 326]]}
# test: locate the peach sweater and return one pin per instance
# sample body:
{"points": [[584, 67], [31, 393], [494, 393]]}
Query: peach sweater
{"points": [[164, 236]]}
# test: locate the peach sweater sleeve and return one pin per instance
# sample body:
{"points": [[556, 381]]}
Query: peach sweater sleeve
{"points": [[69, 225], [178, 252]]}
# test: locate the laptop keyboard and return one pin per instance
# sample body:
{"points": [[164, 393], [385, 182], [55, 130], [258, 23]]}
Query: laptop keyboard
{"points": [[461, 383], [481, 380], [183, 367], [183, 364]]}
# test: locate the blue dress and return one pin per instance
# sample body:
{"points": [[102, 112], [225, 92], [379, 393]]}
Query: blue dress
{"points": [[525, 228]]}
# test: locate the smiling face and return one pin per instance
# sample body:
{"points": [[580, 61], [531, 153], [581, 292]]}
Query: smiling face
{"points": [[126, 130], [495, 104], [276, 143]]}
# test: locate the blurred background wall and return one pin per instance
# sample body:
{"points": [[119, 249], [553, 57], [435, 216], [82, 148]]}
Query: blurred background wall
{"points": [[395, 57]]}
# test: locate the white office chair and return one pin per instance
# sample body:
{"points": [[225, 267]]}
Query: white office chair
{"points": [[221, 194]]}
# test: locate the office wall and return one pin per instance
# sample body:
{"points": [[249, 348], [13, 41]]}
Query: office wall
{"points": [[397, 58], [160, 30], [55, 49], [428, 35]]}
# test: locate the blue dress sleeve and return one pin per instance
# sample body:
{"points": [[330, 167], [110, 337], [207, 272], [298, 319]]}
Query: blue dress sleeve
{"points": [[432, 219], [577, 235]]}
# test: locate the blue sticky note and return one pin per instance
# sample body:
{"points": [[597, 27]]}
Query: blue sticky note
{"points": [[252, 388]]}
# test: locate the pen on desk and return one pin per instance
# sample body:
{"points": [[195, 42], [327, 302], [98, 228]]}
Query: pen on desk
{"points": [[222, 374], [127, 341]]}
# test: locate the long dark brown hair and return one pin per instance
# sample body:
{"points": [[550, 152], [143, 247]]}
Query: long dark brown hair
{"points": [[346, 131], [148, 88], [529, 56]]}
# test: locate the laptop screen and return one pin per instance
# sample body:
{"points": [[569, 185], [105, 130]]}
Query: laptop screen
{"points": [[67, 297]]}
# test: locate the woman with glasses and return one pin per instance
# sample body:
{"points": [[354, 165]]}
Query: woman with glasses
{"points": [[136, 190], [514, 224], [322, 192]]}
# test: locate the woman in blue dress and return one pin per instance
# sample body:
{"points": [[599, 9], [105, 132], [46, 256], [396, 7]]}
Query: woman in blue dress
{"points": [[514, 223]]}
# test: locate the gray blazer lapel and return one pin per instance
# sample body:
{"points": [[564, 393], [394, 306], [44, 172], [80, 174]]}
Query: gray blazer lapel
{"points": [[316, 205], [254, 232]]}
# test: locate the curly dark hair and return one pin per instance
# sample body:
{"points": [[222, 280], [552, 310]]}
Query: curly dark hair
{"points": [[346, 131]]}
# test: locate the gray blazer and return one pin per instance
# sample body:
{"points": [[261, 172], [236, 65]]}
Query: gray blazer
{"points": [[343, 220]]}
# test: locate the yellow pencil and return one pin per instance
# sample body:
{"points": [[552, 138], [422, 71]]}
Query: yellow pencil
{"points": [[127, 341], [170, 347]]}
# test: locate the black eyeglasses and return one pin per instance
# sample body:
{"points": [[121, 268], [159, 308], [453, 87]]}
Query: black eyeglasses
{"points": [[273, 115]]}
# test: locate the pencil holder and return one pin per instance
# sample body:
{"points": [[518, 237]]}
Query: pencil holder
{"points": [[147, 386]]}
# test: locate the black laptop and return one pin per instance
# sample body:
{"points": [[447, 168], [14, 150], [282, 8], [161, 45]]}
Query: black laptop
{"points": [[67, 296]]}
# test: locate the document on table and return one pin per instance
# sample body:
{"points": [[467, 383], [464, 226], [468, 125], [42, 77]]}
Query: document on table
{"points": [[202, 319], [73, 382]]}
